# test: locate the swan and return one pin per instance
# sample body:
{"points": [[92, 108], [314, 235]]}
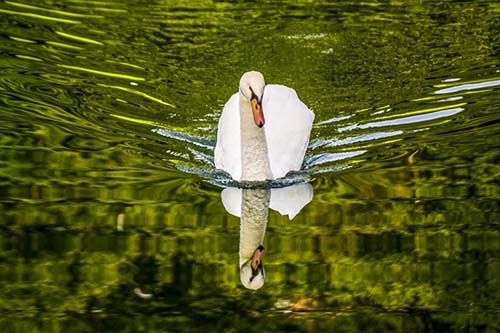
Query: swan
{"points": [[253, 223], [263, 131]]}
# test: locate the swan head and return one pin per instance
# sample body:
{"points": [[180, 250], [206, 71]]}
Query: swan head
{"points": [[252, 272], [251, 91]]}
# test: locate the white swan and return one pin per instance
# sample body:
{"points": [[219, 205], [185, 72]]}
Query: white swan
{"points": [[263, 131]]}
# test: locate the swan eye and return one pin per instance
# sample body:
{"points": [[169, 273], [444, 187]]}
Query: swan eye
{"points": [[253, 95]]}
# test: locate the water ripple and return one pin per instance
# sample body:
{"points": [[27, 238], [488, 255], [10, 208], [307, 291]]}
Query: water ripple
{"points": [[315, 160], [80, 83], [139, 93], [23, 90], [334, 142], [185, 137], [101, 72], [405, 120], [79, 38], [468, 86], [53, 11], [333, 120], [38, 16]]}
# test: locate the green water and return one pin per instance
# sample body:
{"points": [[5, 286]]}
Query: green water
{"points": [[111, 216]]}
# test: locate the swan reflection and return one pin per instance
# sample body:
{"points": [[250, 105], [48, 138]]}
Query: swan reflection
{"points": [[252, 207]]}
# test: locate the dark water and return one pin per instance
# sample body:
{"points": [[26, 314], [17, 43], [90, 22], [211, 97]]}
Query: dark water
{"points": [[110, 215]]}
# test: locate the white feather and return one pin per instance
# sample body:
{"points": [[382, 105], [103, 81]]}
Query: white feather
{"points": [[288, 126], [227, 154]]}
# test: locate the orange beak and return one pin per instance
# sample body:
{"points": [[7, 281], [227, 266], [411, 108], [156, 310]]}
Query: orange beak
{"points": [[258, 114], [257, 257]]}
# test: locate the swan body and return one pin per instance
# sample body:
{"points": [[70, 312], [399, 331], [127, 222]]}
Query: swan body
{"points": [[263, 131]]}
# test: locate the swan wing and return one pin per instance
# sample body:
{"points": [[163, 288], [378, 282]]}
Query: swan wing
{"points": [[227, 154], [288, 126]]}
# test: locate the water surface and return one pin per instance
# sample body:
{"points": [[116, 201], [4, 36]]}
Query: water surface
{"points": [[110, 207]]}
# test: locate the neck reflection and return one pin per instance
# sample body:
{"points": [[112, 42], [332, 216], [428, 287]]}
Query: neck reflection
{"points": [[252, 207]]}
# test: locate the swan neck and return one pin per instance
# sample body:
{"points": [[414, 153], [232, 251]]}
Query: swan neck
{"points": [[253, 222], [254, 154]]}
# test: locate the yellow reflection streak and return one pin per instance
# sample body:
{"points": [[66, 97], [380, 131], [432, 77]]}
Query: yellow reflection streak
{"points": [[428, 98], [94, 71], [28, 57], [67, 46], [18, 39], [101, 9], [138, 121], [37, 16], [109, 3], [79, 38], [139, 93], [362, 110], [55, 11]]}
